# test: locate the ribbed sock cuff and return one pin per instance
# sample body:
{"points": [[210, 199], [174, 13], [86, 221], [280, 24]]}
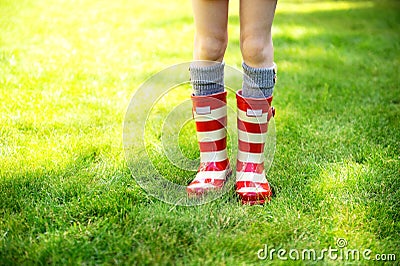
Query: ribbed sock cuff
{"points": [[258, 82], [207, 80]]}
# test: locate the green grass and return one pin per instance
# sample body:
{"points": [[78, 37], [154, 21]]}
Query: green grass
{"points": [[67, 72]]}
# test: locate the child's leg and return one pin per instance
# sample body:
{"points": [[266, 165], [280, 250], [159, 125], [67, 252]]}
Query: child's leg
{"points": [[211, 38], [211, 35], [256, 18], [254, 102], [209, 98]]}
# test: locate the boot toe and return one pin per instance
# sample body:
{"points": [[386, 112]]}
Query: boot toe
{"points": [[199, 188], [254, 195]]}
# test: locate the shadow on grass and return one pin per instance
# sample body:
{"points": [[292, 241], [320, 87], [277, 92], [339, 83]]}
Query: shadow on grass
{"points": [[85, 190]]}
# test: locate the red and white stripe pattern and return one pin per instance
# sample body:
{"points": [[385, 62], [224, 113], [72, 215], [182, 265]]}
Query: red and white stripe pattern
{"points": [[252, 118], [209, 113]]}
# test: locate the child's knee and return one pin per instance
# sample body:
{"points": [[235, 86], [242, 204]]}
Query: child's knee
{"points": [[255, 49], [210, 48]]}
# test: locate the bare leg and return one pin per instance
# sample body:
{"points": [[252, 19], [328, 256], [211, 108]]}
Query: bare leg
{"points": [[211, 20], [256, 18]]}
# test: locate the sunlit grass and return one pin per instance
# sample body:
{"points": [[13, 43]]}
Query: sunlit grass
{"points": [[301, 6]]}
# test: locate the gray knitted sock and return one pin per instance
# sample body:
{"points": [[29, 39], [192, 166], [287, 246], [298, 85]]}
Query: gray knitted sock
{"points": [[258, 82], [207, 80]]}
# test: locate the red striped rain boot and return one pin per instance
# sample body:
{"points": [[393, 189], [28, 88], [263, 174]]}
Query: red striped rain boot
{"points": [[210, 116], [252, 117]]}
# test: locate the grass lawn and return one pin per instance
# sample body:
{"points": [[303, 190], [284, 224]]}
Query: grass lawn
{"points": [[68, 70]]}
